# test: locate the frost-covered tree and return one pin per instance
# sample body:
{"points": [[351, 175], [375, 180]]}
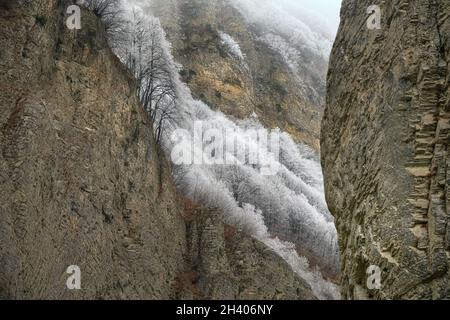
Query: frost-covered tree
{"points": [[146, 57]]}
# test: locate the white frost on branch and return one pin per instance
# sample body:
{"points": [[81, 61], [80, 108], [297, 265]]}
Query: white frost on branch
{"points": [[232, 45]]}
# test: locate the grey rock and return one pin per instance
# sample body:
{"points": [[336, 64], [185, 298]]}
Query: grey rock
{"points": [[385, 137]]}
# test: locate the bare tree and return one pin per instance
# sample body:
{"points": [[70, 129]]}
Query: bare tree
{"points": [[103, 8], [146, 57], [112, 16], [166, 116]]}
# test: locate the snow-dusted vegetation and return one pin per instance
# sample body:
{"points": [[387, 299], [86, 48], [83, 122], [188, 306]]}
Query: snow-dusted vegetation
{"points": [[288, 204], [294, 22], [232, 45], [298, 34], [234, 50]]}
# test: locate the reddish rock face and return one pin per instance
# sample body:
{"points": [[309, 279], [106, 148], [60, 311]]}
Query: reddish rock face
{"points": [[385, 136]]}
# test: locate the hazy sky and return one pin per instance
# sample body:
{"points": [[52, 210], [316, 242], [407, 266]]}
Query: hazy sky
{"points": [[327, 9]]}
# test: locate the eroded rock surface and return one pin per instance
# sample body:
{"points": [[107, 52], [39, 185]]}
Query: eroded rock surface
{"points": [[79, 168], [385, 137], [224, 263]]}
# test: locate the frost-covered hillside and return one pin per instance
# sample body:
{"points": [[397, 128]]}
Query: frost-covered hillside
{"points": [[301, 36], [285, 209], [292, 20]]}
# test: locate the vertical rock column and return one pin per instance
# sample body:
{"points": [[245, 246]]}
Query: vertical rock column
{"points": [[385, 138]]}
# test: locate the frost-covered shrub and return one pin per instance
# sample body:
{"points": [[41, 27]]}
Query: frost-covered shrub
{"points": [[232, 45]]}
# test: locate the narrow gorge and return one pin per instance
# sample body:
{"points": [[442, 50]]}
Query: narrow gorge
{"points": [[87, 184], [224, 149]]}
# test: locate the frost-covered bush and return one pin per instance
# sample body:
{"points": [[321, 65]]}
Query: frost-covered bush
{"points": [[234, 50], [232, 45]]}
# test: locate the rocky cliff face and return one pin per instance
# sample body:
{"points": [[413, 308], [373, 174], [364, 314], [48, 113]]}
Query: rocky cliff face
{"points": [[223, 263], [259, 81], [385, 137], [83, 182]]}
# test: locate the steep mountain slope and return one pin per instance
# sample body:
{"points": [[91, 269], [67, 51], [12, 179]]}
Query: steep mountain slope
{"points": [[83, 182], [288, 204], [385, 139], [237, 63], [285, 209]]}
